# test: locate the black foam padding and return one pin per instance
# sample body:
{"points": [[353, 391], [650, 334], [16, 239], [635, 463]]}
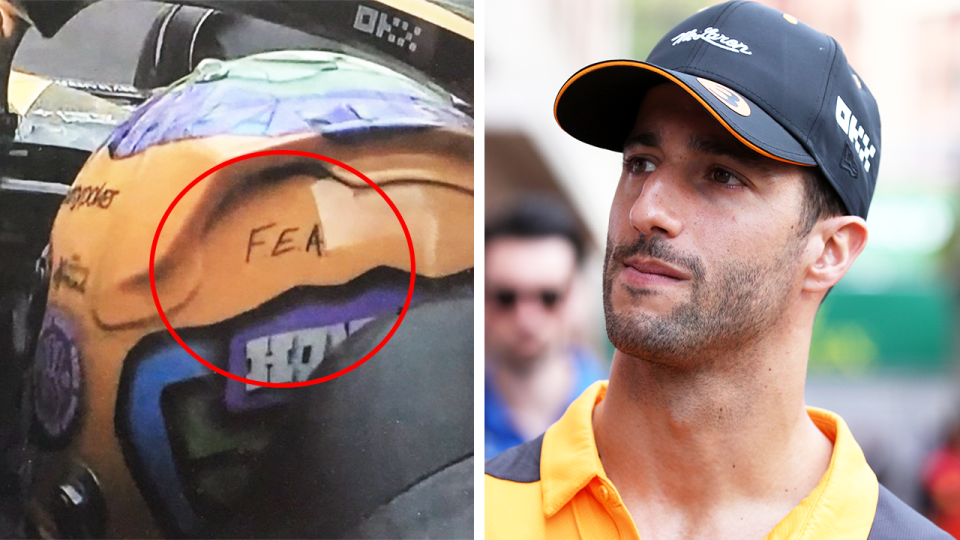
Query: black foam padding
{"points": [[358, 443], [441, 506]]}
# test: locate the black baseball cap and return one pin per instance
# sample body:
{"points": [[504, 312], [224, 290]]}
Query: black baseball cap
{"points": [[780, 87]]}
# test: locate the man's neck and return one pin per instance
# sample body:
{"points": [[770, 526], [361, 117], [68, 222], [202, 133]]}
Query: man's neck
{"points": [[721, 451]]}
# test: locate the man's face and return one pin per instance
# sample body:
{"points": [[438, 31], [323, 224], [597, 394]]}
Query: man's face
{"points": [[703, 255], [528, 281]]}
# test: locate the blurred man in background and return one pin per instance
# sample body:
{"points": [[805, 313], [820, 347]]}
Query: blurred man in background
{"points": [[534, 366]]}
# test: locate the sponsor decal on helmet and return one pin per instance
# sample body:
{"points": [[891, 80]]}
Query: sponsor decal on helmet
{"points": [[70, 273], [89, 196], [292, 356], [57, 379], [289, 346]]}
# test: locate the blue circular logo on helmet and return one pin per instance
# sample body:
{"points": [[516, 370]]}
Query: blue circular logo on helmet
{"points": [[57, 380]]}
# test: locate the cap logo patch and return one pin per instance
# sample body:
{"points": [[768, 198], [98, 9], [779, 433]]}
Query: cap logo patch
{"points": [[849, 163], [731, 99], [713, 36], [861, 141]]}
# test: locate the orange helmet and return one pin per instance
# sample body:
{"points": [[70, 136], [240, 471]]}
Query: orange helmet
{"points": [[269, 268]]}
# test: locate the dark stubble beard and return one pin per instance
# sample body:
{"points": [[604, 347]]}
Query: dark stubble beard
{"points": [[727, 311]]}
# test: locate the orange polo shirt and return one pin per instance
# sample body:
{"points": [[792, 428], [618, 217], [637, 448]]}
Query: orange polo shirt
{"points": [[555, 487]]}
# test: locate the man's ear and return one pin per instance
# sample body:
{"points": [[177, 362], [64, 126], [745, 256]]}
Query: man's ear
{"points": [[836, 242]]}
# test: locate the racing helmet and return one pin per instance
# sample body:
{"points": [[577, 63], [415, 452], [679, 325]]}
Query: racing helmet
{"points": [[276, 268]]}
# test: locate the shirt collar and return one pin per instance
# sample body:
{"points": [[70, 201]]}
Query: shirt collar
{"points": [[569, 457], [842, 505]]}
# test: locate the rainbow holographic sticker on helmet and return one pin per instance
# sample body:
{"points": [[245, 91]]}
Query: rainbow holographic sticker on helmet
{"points": [[282, 93]]}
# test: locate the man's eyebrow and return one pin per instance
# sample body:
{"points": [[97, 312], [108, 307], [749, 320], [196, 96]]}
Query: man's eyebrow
{"points": [[730, 149], [715, 147], [644, 138]]}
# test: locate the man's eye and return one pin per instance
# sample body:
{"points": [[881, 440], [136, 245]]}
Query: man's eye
{"points": [[638, 165], [725, 177]]}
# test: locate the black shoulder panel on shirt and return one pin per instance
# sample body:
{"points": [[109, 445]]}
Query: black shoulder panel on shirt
{"points": [[897, 521], [517, 464]]}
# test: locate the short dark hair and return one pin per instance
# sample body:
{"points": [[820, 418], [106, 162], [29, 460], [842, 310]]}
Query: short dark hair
{"points": [[538, 216], [820, 200]]}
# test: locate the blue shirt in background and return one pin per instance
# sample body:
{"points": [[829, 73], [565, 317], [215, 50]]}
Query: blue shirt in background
{"points": [[499, 433]]}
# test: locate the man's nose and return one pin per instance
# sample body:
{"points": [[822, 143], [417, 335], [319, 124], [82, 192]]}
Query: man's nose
{"points": [[655, 210], [530, 314]]}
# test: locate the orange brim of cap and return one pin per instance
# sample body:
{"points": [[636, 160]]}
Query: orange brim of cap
{"points": [[599, 103]]}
